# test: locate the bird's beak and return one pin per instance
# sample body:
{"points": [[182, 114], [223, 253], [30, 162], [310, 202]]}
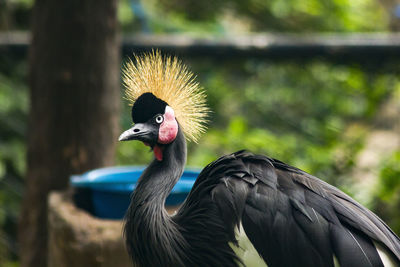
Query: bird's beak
{"points": [[140, 131], [127, 135]]}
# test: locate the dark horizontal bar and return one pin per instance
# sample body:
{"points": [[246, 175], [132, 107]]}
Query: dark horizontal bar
{"points": [[358, 47], [361, 47]]}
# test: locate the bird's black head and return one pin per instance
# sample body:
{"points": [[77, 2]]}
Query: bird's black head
{"points": [[146, 107], [155, 123]]}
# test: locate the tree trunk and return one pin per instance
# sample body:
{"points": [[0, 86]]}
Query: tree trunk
{"points": [[73, 119]]}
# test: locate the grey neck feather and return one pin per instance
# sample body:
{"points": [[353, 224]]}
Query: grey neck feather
{"points": [[159, 177], [147, 221]]}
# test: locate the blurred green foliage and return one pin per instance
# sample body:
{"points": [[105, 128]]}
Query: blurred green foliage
{"points": [[15, 14], [230, 16], [387, 199], [313, 114], [13, 113]]}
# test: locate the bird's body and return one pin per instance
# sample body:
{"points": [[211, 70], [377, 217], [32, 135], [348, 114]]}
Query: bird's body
{"points": [[290, 217], [243, 209]]}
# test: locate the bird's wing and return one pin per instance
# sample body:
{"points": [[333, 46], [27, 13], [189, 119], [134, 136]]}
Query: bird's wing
{"points": [[293, 218]]}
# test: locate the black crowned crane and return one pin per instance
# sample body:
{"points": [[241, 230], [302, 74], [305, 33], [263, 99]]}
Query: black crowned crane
{"points": [[244, 209]]}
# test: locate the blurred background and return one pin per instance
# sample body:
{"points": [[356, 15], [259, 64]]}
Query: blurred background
{"points": [[313, 83]]}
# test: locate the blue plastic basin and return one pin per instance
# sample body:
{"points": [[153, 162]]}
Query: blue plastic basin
{"points": [[106, 192]]}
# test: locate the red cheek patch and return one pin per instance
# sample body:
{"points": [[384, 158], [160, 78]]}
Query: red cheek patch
{"points": [[169, 128]]}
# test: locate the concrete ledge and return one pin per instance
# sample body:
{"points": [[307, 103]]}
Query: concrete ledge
{"points": [[78, 239]]}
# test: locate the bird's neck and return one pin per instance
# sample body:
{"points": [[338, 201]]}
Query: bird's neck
{"points": [[146, 219], [160, 176]]}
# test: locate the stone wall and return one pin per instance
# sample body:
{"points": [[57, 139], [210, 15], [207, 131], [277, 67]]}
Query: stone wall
{"points": [[77, 239]]}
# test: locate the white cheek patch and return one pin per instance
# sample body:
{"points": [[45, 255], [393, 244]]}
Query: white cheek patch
{"points": [[169, 128]]}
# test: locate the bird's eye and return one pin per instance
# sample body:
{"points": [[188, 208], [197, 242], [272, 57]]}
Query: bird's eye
{"points": [[159, 119]]}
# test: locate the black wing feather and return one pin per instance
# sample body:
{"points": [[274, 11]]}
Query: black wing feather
{"points": [[291, 217]]}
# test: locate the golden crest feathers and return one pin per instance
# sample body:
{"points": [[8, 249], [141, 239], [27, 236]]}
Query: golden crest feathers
{"points": [[171, 81]]}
